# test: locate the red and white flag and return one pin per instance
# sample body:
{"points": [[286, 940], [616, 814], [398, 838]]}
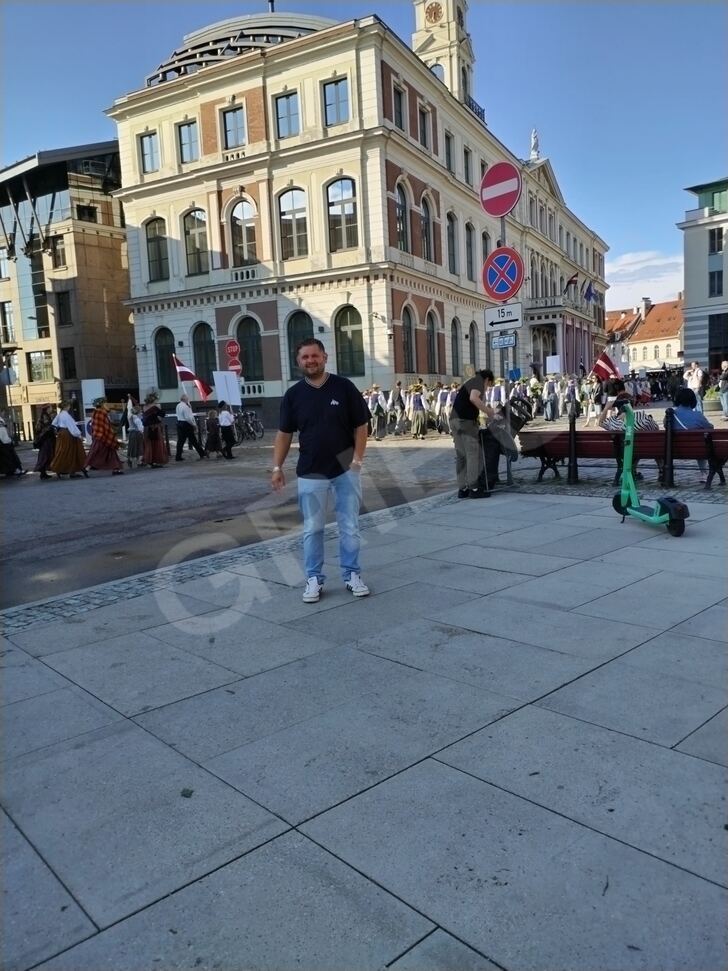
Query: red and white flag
{"points": [[184, 374], [605, 368]]}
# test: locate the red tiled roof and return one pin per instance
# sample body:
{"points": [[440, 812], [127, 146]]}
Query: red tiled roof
{"points": [[663, 320], [620, 320]]}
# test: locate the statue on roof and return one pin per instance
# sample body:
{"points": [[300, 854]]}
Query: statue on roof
{"points": [[534, 146]]}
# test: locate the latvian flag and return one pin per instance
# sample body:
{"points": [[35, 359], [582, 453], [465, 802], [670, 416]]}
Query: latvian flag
{"points": [[605, 368], [184, 374], [571, 282]]}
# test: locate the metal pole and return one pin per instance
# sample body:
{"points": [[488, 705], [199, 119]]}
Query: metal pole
{"points": [[573, 472], [668, 473]]}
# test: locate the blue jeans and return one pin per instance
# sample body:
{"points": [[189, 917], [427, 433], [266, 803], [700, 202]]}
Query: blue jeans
{"points": [[313, 495], [698, 403], [724, 403]]}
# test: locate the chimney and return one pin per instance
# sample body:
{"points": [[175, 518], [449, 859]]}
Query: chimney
{"points": [[646, 305]]}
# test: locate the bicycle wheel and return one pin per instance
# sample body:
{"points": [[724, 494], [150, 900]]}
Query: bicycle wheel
{"points": [[258, 429]]}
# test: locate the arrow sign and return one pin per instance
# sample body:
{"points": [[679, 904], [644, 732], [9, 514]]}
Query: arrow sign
{"points": [[503, 273], [500, 189], [507, 317]]}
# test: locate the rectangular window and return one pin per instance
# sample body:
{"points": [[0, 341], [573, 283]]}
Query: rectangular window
{"points": [[87, 214], [68, 363], [40, 366], [483, 169], [4, 271], [64, 317], [233, 128], [715, 241], [424, 121], [189, 144], [287, 121], [715, 283], [448, 151], [336, 102], [399, 108], [58, 252], [149, 147], [468, 166], [7, 323]]}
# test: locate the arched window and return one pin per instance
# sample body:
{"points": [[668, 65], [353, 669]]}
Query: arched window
{"points": [[203, 349], [438, 70], [470, 251], [452, 243], [532, 210], [534, 279], [341, 196], [293, 224], [251, 349], [300, 326], [668, 351], [466, 88], [163, 351], [473, 341], [195, 232], [561, 284], [242, 227], [402, 218], [485, 245], [455, 345], [157, 255], [408, 341], [644, 353], [349, 343], [431, 344], [656, 351], [426, 231]]}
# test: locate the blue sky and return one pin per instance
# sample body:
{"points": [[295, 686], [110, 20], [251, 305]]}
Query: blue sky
{"points": [[629, 99]]}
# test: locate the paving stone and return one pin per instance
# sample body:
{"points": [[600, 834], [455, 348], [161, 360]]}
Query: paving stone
{"points": [[518, 670], [106, 812], [530, 889], [52, 717], [288, 906], [441, 952], [510, 561], [100, 624], [711, 623], [708, 538], [22, 676], [456, 576], [642, 794], [645, 703], [226, 588], [575, 585], [547, 536], [39, 917], [692, 658], [653, 603], [687, 564], [135, 672], [710, 741], [560, 630], [304, 769], [217, 721]]}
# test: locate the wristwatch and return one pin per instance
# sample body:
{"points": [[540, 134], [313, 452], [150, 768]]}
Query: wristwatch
{"points": [[357, 462], [276, 468]]}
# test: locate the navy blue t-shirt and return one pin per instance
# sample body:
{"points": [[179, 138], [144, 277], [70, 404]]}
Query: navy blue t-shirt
{"points": [[325, 419]]}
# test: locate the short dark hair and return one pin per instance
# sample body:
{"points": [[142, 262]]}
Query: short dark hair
{"points": [[309, 340], [486, 374], [686, 398]]}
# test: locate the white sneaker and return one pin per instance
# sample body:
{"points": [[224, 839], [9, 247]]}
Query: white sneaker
{"points": [[312, 593], [356, 585]]}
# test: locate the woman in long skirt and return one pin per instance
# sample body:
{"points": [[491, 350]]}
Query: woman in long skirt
{"points": [[69, 457], [103, 454], [155, 448], [417, 407], [213, 442], [10, 464], [135, 444], [44, 441]]}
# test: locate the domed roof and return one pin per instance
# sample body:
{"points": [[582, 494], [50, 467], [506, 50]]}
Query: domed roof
{"points": [[229, 38]]}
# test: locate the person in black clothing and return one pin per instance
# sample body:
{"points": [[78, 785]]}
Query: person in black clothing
{"points": [[331, 418], [468, 403]]}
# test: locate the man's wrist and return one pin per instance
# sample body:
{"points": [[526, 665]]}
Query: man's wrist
{"points": [[276, 468], [356, 461]]}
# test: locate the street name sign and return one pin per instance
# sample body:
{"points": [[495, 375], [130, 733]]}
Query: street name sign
{"points": [[502, 340]]}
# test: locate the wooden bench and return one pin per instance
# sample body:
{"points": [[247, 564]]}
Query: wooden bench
{"points": [[554, 447]]}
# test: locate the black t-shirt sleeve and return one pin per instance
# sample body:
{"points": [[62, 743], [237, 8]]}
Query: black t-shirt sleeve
{"points": [[358, 407], [287, 421]]}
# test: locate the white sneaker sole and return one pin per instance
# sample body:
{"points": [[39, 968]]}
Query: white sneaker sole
{"points": [[361, 594], [308, 599]]}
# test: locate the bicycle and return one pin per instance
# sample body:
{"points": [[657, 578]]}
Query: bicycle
{"points": [[248, 427]]}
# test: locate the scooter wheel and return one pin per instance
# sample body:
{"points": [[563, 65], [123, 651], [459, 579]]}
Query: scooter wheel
{"points": [[676, 527], [617, 504]]}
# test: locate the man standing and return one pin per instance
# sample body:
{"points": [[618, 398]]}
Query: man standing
{"points": [[331, 419], [694, 379], [186, 429], [469, 401], [723, 388]]}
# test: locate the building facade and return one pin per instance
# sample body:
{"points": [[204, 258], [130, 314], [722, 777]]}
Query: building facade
{"points": [[63, 280], [705, 243], [656, 341], [287, 175]]}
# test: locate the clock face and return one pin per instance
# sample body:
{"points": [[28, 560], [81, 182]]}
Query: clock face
{"points": [[433, 13]]}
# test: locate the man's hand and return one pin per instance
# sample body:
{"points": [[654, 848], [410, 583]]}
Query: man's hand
{"points": [[277, 480]]}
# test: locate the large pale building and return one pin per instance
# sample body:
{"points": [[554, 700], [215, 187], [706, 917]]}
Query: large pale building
{"points": [[63, 280], [286, 175], [705, 239]]}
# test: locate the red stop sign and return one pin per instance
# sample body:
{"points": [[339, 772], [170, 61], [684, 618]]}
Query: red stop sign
{"points": [[232, 348], [235, 365]]}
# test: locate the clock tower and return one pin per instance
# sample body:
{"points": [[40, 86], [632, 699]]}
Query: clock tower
{"points": [[442, 41]]}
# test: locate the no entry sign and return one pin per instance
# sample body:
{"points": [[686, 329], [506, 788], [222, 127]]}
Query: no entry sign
{"points": [[503, 273], [500, 188]]}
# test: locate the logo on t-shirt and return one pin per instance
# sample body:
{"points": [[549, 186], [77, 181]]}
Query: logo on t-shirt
{"points": [[333, 401]]}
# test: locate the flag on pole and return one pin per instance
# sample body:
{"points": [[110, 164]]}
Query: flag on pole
{"points": [[571, 281], [605, 368], [184, 374], [590, 293]]}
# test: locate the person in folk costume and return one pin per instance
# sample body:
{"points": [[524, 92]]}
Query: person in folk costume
{"points": [[451, 395], [396, 406], [496, 397], [103, 454], [227, 430], [377, 405], [562, 385], [44, 440], [441, 416], [69, 457], [417, 412], [213, 441], [155, 447], [550, 399], [572, 396], [135, 444], [10, 464]]}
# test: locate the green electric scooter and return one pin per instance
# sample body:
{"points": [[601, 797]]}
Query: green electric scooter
{"points": [[668, 511]]}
